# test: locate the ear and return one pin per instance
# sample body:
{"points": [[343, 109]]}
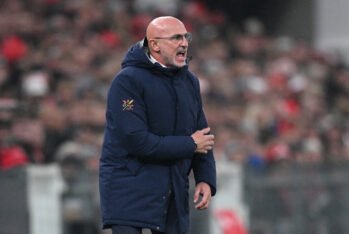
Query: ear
{"points": [[154, 46]]}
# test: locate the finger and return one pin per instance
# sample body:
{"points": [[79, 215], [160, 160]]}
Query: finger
{"points": [[209, 136], [209, 147], [203, 204], [206, 205], [206, 130], [203, 151], [209, 143], [196, 195], [209, 139], [200, 205], [204, 199]]}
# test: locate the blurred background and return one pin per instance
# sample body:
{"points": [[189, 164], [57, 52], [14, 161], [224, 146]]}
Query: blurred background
{"points": [[275, 83]]}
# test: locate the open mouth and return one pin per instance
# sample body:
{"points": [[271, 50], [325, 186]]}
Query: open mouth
{"points": [[181, 55]]}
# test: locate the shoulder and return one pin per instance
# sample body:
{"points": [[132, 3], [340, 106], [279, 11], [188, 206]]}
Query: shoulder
{"points": [[131, 75], [128, 79], [194, 79]]}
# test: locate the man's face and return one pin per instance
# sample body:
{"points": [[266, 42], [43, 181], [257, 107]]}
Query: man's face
{"points": [[173, 44]]}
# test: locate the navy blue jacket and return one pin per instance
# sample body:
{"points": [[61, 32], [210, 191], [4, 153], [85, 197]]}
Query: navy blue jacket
{"points": [[147, 151]]}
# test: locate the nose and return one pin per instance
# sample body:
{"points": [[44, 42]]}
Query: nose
{"points": [[184, 42]]}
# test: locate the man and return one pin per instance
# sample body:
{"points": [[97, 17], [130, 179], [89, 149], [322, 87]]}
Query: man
{"points": [[156, 132]]}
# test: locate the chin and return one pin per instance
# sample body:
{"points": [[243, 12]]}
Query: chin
{"points": [[180, 64]]}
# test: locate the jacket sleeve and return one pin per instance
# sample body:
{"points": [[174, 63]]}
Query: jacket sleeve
{"points": [[126, 117], [204, 166]]}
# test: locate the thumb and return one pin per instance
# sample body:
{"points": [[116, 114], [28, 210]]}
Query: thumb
{"points": [[206, 130]]}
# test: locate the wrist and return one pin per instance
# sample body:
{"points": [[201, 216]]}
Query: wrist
{"points": [[195, 145]]}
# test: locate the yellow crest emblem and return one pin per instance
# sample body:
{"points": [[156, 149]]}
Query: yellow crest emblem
{"points": [[127, 104]]}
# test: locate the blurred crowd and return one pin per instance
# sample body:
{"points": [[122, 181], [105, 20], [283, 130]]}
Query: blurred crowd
{"points": [[267, 98]]}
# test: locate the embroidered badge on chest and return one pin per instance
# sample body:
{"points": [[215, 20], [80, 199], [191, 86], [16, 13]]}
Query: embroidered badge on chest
{"points": [[127, 104]]}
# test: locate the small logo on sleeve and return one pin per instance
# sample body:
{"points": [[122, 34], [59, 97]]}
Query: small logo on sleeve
{"points": [[127, 104]]}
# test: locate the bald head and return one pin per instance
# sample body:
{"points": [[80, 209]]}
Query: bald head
{"points": [[167, 42], [163, 26]]}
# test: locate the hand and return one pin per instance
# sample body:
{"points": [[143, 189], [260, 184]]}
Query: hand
{"points": [[202, 190], [203, 140]]}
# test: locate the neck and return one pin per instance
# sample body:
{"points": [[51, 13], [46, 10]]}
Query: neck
{"points": [[154, 60]]}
